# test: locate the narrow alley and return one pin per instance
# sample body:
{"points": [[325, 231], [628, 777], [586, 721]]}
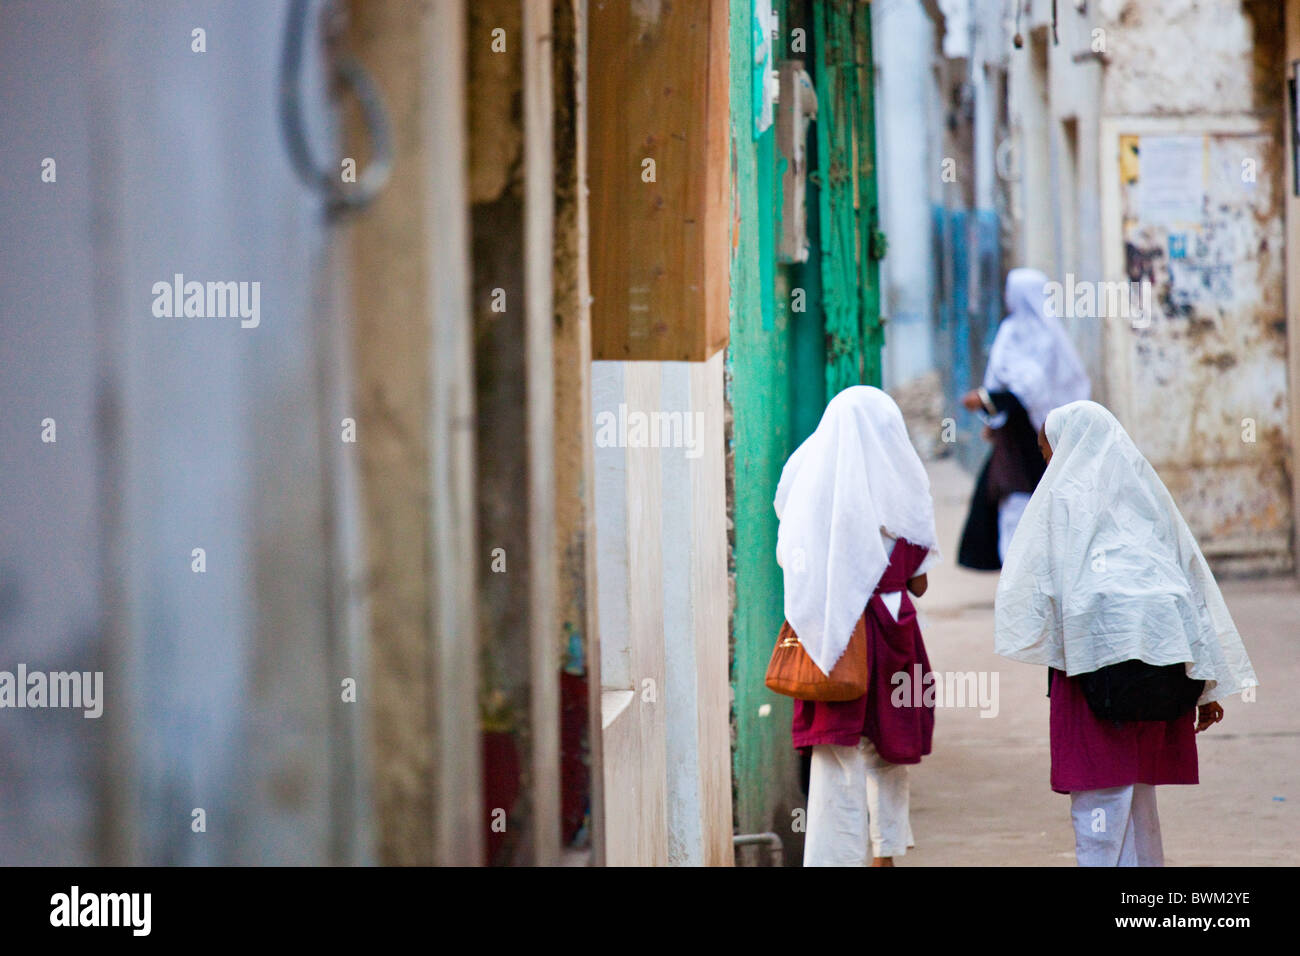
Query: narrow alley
{"points": [[493, 433]]}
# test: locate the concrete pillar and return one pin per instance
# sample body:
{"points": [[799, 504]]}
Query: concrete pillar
{"points": [[664, 604], [410, 260]]}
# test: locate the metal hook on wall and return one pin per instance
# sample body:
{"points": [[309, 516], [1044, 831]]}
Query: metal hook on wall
{"points": [[350, 75]]}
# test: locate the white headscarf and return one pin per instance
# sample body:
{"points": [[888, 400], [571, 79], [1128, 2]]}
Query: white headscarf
{"points": [[1032, 356], [853, 477], [1104, 569]]}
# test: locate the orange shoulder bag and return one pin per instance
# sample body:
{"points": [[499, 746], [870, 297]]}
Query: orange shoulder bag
{"points": [[792, 672]]}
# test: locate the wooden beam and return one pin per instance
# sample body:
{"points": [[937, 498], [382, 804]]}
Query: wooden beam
{"points": [[457, 769], [660, 180], [544, 644]]}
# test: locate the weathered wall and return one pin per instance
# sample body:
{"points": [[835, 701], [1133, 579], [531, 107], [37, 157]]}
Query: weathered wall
{"points": [[1203, 388], [1210, 369], [511, 221], [696, 610], [55, 535], [415, 380], [659, 179], [764, 763], [574, 464], [1189, 56], [173, 432], [1055, 106], [629, 514], [663, 613], [496, 225], [1292, 241], [967, 183], [392, 369], [903, 38]]}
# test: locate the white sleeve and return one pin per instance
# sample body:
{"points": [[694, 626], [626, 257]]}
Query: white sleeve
{"points": [[931, 558]]}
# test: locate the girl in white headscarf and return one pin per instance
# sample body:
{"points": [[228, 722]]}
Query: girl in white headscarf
{"points": [[1105, 585], [856, 533], [1032, 369]]}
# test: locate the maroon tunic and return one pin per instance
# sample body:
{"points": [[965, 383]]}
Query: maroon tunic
{"points": [[900, 734], [1093, 754]]}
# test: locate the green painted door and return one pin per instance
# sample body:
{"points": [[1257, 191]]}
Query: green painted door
{"points": [[846, 178], [784, 362]]}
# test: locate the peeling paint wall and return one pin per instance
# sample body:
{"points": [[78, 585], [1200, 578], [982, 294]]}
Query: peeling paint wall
{"points": [[1292, 248], [575, 625], [1206, 378], [765, 765], [1188, 57], [389, 276], [1202, 387], [903, 37], [661, 526]]}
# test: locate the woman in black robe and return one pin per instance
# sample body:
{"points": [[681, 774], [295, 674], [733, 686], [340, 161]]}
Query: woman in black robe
{"points": [[1014, 467], [1032, 369]]}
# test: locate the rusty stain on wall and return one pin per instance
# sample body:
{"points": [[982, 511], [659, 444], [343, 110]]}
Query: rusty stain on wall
{"points": [[1208, 373], [496, 132], [391, 347]]}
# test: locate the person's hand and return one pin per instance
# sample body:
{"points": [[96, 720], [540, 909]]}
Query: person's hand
{"points": [[986, 433], [1207, 714], [971, 401]]}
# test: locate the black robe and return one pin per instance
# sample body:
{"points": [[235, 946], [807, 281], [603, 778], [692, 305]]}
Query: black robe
{"points": [[1015, 464]]}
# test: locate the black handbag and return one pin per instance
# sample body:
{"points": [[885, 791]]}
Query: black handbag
{"points": [[1136, 690]]}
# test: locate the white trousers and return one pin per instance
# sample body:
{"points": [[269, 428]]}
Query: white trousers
{"points": [[1009, 511], [1117, 826], [857, 806]]}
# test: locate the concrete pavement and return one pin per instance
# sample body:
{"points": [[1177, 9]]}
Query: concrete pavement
{"points": [[982, 797]]}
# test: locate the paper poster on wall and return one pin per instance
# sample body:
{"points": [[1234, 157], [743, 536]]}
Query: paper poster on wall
{"points": [[1171, 184], [1202, 240]]}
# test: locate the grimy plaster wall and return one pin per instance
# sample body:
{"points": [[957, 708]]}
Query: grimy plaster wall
{"points": [[1202, 386], [662, 552]]}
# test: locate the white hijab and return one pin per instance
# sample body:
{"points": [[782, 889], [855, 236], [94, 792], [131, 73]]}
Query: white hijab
{"points": [[1032, 356], [1104, 569], [853, 477]]}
